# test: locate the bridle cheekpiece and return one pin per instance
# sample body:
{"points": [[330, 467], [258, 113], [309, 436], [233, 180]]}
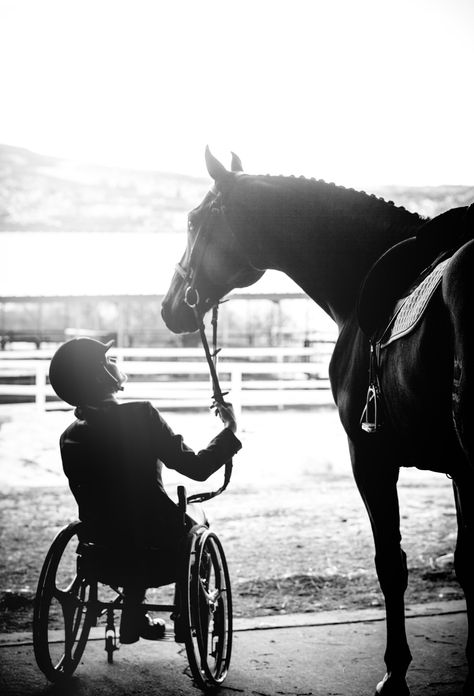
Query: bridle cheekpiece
{"points": [[189, 274]]}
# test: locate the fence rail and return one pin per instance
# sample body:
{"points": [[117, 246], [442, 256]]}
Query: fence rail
{"points": [[177, 378]]}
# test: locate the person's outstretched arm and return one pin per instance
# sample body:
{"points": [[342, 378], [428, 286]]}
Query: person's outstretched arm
{"points": [[175, 454]]}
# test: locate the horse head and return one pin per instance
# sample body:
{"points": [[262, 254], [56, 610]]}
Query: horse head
{"points": [[214, 262]]}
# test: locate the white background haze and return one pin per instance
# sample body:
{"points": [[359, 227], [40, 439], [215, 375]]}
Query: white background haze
{"points": [[359, 92]]}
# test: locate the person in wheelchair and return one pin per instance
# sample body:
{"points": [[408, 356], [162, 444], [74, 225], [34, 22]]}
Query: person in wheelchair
{"points": [[113, 454]]}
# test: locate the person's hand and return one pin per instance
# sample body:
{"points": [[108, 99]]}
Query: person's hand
{"points": [[226, 414]]}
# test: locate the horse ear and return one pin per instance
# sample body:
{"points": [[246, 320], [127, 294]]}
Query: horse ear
{"points": [[236, 165], [216, 170]]}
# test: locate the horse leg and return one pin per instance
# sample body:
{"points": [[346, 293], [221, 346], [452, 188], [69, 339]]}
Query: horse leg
{"points": [[463, 487], [378, 487]]}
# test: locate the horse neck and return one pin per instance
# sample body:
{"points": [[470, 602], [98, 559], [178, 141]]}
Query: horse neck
{"points": [[322, 236]]}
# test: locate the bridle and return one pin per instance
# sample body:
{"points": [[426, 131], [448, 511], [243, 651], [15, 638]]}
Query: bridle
{"points": [[191, 299], [189, 274]]}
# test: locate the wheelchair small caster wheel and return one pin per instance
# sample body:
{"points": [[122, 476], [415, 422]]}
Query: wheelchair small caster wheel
{"points": [[110, 646]]}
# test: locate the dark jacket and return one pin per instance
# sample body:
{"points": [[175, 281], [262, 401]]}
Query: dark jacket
{"points": [[113, 458]]}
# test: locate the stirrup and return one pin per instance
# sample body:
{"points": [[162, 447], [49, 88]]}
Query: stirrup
{"points": [[370, 419]]}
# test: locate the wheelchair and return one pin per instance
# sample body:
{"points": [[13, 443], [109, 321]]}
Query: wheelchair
{"points": [[81, 583]]}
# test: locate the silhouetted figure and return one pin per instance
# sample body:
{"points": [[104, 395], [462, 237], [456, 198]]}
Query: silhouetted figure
{"points": [[113, 456]]}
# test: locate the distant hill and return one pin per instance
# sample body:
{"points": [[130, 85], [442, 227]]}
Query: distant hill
{"points": [[49, 194], [42, 193], [427, 200]]}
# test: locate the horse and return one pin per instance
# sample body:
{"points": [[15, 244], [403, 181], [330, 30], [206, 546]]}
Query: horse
{"points": [[327, 238]]}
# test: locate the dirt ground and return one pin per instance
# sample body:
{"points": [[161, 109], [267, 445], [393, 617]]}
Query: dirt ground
{"points": [[293, 526]]}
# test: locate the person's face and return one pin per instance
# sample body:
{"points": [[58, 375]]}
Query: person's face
{"points": [[114, 370]]}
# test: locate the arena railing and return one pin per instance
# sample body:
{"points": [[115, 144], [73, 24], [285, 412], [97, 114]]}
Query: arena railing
{"points": [[177, 378]]}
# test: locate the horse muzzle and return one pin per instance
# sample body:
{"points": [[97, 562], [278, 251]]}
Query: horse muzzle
{"points": [[178, 319]]}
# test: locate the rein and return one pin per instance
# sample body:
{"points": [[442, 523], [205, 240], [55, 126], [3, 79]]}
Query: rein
{"points": [[217, 394]]}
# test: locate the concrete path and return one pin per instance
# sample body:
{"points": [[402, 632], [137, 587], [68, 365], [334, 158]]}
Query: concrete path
{"points": [[323, 654]]}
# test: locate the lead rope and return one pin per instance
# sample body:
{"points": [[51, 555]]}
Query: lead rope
{"points": [[217, 394]]}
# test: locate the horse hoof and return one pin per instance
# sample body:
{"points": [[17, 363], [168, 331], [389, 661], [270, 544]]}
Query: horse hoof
{"points": [[392, 686]]}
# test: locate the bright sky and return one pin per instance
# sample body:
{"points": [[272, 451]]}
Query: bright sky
{"points": [[358, 92]]}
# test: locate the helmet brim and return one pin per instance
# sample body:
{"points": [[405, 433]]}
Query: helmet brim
{"points": [[108, 345]]}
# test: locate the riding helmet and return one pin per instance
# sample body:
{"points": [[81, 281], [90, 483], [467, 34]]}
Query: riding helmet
{"points": [[74, 370]]}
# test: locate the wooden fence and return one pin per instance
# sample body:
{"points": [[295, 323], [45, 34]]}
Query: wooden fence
{"points": [[178, 378]]}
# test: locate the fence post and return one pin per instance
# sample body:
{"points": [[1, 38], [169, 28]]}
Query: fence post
{"points": [[40, 399], [236, 390]]}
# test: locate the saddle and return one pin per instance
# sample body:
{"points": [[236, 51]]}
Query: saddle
{"points": [[397, 273], [397, 290]]}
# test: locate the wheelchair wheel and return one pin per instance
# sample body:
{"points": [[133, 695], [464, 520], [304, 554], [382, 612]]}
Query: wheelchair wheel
{"points": [[207, 609], [64, 608]]}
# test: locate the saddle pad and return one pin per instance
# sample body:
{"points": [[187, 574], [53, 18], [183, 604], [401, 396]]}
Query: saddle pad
{"points": [[409, 310]]}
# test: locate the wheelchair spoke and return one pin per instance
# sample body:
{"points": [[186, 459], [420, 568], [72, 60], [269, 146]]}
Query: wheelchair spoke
{"points": [[211, 595], [65, 598], [69, 633], [65, 609], [209, 611]]}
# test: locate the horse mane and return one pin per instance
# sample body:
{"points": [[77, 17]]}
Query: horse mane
{"points": [[375, 203]]}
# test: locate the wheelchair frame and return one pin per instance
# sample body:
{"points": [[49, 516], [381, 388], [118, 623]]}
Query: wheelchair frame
{"points": [[202, 610]]}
